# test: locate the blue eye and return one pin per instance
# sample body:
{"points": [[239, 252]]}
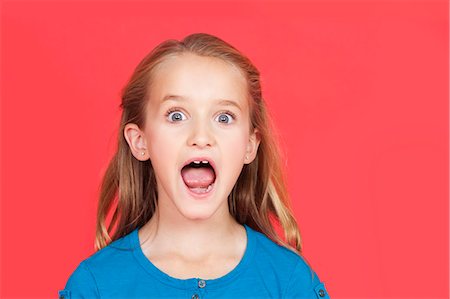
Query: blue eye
{"points": [[225, 118], [174, 116]]}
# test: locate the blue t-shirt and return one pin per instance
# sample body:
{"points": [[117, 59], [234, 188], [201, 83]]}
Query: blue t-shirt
{"points": [[266, 270]]}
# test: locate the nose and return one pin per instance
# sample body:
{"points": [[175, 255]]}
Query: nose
{"points": [[201, 135]]}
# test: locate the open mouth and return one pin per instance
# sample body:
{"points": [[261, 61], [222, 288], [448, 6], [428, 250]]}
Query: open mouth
{"points": [[199, 176]]}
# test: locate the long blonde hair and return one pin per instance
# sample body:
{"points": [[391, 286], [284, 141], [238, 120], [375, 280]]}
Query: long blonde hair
{"points": [[128, 191]]}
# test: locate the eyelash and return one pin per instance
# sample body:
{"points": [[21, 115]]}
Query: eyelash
{"points": [[233, 116]]}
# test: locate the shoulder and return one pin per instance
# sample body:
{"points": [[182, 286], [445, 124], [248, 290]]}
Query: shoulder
{"points": [[285, 259], [83, 281], [298, 277], [81, 284], [115, 256], [269, 248], [304, 283]]}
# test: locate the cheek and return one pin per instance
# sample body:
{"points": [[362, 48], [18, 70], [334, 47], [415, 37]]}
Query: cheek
{"points": [[237, 140], [162, 145], [233, 149]]}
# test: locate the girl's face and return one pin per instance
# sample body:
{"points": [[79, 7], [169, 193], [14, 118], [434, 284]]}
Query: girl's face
{"points": [[198, 110]]}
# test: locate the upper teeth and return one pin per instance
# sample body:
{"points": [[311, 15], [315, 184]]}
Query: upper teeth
{"points": [[198, 162]]}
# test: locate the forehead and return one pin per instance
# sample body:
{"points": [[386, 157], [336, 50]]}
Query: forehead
{"points": [[198, 78]]}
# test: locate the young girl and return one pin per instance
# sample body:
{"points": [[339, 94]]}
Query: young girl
{"points": [[194, 187]]}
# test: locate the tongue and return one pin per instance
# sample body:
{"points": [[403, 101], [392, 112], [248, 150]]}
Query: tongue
{"points": [[198, 177]]}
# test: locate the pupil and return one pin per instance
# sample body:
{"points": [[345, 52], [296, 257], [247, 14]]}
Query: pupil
{"points": [[223, 118], [176, 116]]}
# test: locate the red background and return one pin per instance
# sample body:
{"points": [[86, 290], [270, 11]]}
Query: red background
{"points": [[358, 92]]}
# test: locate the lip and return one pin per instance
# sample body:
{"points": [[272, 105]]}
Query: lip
{"points": [[210, 161], [200, 195], [213, 189]]}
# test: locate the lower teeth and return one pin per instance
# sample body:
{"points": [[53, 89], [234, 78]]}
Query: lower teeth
{"points": [[202, 190]]}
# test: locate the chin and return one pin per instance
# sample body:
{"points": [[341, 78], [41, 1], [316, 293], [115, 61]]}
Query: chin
{"points": [[198, 214], [195, 210]]}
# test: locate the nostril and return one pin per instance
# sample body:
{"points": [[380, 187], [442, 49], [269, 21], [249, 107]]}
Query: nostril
{"points": [[201, 137]]}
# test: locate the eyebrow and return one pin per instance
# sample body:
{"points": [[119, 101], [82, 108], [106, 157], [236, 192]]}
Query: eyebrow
{"points": [[223, 102]]}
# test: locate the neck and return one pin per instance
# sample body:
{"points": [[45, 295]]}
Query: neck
{"points": [[192, 239]]}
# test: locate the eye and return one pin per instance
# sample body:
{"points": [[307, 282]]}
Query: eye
{"points": [[225, 117], [175, 115]]}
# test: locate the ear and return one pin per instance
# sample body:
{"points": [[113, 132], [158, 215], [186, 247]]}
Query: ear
{"points": [[252, 147], [136, 141]]}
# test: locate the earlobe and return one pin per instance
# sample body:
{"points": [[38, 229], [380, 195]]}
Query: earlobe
{"points": [[136, 141]]}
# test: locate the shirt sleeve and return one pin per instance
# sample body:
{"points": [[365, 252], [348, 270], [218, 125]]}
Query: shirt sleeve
{"points": [[81, 284], [305, 284]]}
